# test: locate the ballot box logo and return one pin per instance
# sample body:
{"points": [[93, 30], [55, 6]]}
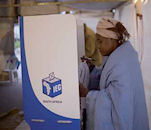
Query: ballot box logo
{"points": [[51, 85]]}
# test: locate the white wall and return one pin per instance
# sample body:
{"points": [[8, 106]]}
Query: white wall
{"points": [[125, 15], [147, 41], [147, 55], [91, 19]]}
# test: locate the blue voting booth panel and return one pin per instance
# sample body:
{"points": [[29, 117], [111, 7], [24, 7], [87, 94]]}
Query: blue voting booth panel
{"points": [[48, 101]]}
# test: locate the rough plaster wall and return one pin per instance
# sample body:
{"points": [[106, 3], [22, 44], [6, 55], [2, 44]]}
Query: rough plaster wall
{"points": [[147, 41], [37, 10], [146, 65], [91, 20], [7, 17], [7, 11], [124, 14], [6, 37], [8, 98], [5, 27]]}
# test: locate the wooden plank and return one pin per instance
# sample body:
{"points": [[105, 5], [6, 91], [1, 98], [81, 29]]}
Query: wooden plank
{"points": [[56, 3]]}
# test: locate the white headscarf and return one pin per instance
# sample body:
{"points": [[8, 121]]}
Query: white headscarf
{"points": [[103, 26]]}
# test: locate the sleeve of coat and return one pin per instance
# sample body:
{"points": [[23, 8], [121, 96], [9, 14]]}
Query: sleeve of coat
{"points": [[120, 91]]}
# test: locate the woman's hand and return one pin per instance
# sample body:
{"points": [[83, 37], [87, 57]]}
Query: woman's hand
{"points": [[83, 90]]}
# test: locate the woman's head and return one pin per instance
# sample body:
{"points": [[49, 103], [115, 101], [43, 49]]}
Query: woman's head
{"points": [[106, 45], [110, 34]]}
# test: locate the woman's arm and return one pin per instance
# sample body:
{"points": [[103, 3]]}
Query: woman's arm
{"points": [[83, 90], [115, 102]]}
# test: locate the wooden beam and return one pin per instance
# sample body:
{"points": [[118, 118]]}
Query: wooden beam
{"points": [[27, 4]]}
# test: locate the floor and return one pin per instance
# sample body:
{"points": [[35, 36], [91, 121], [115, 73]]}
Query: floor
{"points": [[11, 97], [23, 126]]}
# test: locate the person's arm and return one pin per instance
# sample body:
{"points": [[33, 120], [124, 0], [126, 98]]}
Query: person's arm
{"points": [[120, 91], [83, 90], [114, 104], [95, 76], [94, 79]]}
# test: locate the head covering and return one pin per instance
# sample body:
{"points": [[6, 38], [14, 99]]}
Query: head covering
{"points": [[103, 27], [91, 48], [111, 28]]}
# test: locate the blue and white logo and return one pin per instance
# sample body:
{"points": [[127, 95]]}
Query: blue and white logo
{"points": [[52, 86]]}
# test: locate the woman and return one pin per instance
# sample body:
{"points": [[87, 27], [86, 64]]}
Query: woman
{"points": [[86, 66], [120, 100]]}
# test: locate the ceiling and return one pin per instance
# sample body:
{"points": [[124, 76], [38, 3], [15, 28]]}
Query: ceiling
{"points": [[78, 4], [96, 6], [99, 5]]}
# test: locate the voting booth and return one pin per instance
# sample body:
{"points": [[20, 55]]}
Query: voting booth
{"points": [[50, 50]]}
